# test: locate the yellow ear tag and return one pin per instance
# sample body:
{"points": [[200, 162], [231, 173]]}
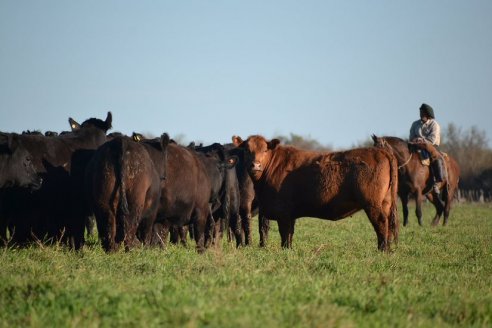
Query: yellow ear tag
{"points": [[74, 126]]}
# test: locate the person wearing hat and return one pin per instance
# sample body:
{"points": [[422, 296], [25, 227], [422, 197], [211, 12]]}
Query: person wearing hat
{"points": [[428, 130]]}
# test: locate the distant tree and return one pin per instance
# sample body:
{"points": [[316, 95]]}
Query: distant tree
{"points": [[303, 142], [471, 151]]}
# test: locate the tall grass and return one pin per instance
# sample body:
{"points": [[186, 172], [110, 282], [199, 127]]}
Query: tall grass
{"points": [[334, 276]]}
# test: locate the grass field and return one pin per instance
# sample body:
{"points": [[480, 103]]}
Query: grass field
{"points": [[334, 276]]}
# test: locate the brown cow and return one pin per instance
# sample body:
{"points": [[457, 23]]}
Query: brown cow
{"points": [[291, 183]]}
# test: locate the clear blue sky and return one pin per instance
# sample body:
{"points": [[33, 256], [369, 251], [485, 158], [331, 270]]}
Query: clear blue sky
{"points": [[336, 71]]}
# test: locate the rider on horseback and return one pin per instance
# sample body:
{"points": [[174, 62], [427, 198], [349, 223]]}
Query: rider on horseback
{"points": [[427, 130]]}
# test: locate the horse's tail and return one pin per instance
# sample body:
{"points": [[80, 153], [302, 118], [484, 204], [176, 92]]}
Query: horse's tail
{"points": [[394, 223]]}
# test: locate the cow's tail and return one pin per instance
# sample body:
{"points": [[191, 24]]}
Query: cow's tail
{"points": [[393, 219], [122, 209]]}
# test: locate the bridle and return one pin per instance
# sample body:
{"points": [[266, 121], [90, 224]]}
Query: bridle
{"points": [[384, 143]]}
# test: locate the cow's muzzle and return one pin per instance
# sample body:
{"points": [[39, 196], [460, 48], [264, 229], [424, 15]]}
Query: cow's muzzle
{"points": [[256, 167], [36, 184]]}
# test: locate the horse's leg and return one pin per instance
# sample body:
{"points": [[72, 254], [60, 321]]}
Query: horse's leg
{"points": [[448, 196], [404, 204], [438, 206], [418, 206]]}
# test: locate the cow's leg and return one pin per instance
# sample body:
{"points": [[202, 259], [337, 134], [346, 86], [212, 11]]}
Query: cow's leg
{"points": [[418, 206], [200, 226], [209, 230], [235, 227], [291, 232], [380, 224], [130, 228], [174, 234], [245, 214], [160, 231], [106, 227], [76, 232], [144, 230], [89, 225], [286, 229], [182, 235], [264, 228], [3, 232]]}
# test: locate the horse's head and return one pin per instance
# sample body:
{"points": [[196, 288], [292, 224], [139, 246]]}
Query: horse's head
{"points": [[379, 142]]}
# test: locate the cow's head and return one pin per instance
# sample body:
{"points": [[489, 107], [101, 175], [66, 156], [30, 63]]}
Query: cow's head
{"points": [[258, 153], [16, 166], [92, 122], [225, 161]]}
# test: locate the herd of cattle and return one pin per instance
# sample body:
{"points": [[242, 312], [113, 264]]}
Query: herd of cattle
{"points": [[141, 191]]}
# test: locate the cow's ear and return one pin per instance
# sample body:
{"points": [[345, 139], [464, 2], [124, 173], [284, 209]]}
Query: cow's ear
{"points": [[374, 138], [109, 121], [165, 141], [73, 124], [232, 161], [12, 142], [4, 137], [191, 145], [273, 143], [137, 137], [237, 141]]}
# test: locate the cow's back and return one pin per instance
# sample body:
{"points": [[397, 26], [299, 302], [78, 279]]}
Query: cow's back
{"points": [[324, 185], [185, 187]]}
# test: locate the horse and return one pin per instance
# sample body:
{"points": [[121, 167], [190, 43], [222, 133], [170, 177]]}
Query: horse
{"points": [[416, 179]]}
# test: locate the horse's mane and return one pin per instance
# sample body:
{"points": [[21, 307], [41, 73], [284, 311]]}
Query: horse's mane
{"points": [[390, 139]]}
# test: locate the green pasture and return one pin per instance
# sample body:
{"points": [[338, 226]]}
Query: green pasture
{"points": [[333, 277]]}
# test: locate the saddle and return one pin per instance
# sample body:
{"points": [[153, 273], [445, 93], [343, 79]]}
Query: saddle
{"points": [[427, 152]]}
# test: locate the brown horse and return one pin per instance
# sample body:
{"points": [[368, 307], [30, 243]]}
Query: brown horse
{"points": [[415, 179]]}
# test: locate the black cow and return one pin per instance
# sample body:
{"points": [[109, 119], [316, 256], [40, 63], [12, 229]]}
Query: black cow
{"points": [[248, 206], [16, 166], [225, 192], [188, 193], [16, 171], [48, 212], [124, 187]]}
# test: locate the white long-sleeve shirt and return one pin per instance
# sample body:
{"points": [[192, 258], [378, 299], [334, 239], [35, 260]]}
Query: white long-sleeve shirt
{"points": [[430, 131]]}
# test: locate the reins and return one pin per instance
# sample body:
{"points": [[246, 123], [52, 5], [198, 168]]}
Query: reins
{"points": [[408, 161], [386, 144]]}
